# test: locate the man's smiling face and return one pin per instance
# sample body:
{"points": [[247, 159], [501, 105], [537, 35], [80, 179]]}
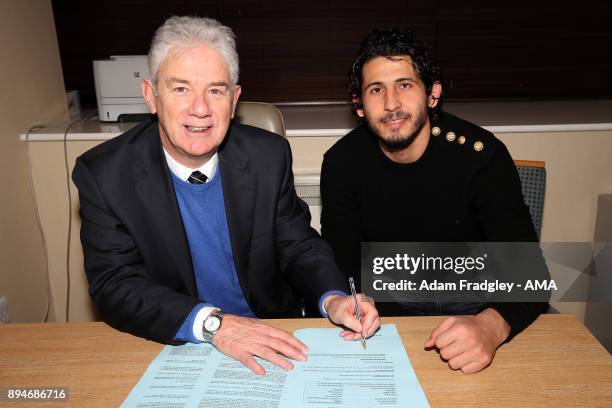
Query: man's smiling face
{"points": [[195, 101], [394, 100]]}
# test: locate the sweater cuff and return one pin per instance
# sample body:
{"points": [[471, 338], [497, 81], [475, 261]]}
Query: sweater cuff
{"points": [[324, 296], [518, 315]]}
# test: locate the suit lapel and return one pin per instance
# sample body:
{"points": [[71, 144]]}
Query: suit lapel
{"points": [[239, 191], [156, 190]]}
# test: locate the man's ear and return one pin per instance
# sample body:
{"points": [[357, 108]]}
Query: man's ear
{"points": [[148, 92], [434, 96], [356, 101], [237, 91]]}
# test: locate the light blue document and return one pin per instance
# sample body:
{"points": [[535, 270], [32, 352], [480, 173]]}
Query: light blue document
{"points": [[338, 373]]}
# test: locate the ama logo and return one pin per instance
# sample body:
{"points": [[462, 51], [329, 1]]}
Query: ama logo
{"points": [[540, 285]]}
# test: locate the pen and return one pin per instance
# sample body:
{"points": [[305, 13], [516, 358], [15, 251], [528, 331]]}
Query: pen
{"points": [[357, 310]]}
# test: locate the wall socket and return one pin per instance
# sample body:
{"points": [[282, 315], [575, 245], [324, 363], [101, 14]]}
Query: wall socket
{"points": [[5, 316]]}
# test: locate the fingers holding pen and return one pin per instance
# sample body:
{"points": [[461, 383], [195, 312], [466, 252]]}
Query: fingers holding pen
{"points": [[341, 310], [370, 318]]}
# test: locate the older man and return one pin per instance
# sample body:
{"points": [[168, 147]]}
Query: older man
{"points": [[412, 173], [191, 224]]}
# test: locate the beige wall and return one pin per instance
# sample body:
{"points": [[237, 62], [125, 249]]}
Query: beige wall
{"points": [[32, 92], [49, 171], [579, 167]]}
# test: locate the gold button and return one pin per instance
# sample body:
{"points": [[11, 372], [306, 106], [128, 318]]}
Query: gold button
{"points": [[461, 140], [478, 146], [450, 136], [436, 131]]}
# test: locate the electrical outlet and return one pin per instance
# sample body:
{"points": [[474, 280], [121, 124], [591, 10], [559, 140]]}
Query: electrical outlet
{"points": [[5, 316]]}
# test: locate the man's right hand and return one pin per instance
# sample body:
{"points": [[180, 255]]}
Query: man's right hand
{"points": [[242, 338]]}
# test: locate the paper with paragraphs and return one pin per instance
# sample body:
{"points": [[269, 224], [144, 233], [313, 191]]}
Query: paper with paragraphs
{"points": [[336, 374]]}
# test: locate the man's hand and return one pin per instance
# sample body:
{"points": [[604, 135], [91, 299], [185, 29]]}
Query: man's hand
{"points": [[341, 310], [469, 343], [243, 338]]}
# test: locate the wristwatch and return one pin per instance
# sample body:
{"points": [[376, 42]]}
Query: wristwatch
{"points": [[211, 325]]}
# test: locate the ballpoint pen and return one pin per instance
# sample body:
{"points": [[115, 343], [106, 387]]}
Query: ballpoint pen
{"points": [[357, 309]]}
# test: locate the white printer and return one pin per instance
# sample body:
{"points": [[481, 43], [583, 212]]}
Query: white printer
{"points": [[118, 86]]}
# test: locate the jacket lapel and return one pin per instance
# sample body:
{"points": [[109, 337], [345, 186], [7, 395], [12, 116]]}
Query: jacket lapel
{"points": [[156, 190], [239, 191]]}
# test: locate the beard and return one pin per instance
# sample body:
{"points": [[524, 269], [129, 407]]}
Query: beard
{"points": [[398, 140]]}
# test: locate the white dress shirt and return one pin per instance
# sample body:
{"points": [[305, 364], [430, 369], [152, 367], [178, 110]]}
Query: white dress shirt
{"points": [[183, 172]]}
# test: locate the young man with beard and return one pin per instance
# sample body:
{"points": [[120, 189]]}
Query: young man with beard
{"points": [[412, 173]]}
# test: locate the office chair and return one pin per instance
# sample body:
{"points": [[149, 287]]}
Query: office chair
{"points": [[262, 115], [533, 184]]}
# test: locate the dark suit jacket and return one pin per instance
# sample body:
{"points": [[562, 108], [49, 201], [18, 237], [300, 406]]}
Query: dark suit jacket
{"points": [[136, 254]]}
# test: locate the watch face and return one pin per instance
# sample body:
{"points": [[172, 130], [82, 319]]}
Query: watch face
{"points": [[212, 323]]}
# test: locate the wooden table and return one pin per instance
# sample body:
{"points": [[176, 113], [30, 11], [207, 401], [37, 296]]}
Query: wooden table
{"points": [[556, 363]]}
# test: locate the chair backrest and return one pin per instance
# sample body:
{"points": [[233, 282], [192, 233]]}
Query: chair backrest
{"points": [[262, 115], [533, 184]]}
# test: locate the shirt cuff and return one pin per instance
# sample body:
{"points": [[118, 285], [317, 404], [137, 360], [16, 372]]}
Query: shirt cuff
{"points": [[198, 322], [191, 329], [324, 296]]}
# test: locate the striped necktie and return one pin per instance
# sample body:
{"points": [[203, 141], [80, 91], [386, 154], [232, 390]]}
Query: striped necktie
{"points": [[197, 178]]}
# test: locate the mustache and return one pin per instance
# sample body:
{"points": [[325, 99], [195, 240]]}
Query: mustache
{"points": [[395, 116]]}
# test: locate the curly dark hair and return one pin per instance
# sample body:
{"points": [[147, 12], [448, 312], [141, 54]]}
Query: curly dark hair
{"points": [[391, 42]]}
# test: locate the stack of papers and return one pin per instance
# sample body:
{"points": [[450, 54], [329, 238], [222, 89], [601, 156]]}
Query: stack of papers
{"points": [[337, 373]]}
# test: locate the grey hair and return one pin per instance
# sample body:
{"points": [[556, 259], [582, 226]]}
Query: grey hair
{"points": [[186, 32]]}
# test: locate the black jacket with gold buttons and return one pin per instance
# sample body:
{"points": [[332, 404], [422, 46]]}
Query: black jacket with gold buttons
{"points": [[464, 188]]}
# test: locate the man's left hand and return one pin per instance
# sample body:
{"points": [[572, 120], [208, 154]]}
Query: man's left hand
{"points": [[341, 310], [469, 343]]}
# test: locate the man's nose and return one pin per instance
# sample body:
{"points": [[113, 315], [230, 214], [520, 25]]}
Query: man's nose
{"points": [[200, 105], [392, 102]]}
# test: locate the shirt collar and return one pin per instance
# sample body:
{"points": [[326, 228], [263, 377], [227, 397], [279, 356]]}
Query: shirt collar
{"points": [[183, 172]]}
